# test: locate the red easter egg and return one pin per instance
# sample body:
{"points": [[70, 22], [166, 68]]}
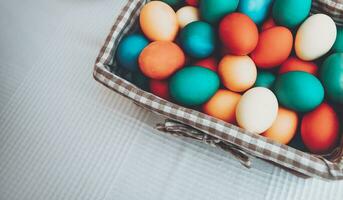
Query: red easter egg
{"points": [[273, 48], [160, 88], [210, 63], [269, 23], [319, 129], [238, 33], [295, 64], [192, 2]]}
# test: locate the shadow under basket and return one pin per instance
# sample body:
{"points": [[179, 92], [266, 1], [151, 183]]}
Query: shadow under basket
{"points": [[199, 126]]}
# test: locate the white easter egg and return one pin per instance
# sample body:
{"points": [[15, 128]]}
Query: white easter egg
{"points": [[257, 110], [186, 15], [315, 37]]}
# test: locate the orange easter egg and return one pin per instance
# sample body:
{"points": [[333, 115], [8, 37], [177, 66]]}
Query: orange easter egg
{"points": [[284, 126], [295, 64], [273, 48], [160, 88], [238, 73], [161, 59], [238, 33], [158, 21], [223, 105], [319, 129], [210, 63]]}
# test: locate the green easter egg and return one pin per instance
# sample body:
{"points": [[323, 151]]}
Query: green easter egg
{"points": [[299, 91], [213, 10], [291, 13], [331, 75], [173, 2], [198, 39], [338, 46], [264, 79], [193, 86]]}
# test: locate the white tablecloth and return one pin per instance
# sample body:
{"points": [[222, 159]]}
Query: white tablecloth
{"points": [[64, 136]]}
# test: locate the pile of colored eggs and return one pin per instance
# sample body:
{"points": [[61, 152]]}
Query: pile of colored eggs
{"points": [[266, 65]]}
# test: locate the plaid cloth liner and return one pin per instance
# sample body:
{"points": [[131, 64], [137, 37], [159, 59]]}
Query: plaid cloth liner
{"points": [[240, 142], [334, 8]]}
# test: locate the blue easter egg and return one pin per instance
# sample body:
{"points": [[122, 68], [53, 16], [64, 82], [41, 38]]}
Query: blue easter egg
{"points": [[198, 39], [129, 49], [257, 10]]}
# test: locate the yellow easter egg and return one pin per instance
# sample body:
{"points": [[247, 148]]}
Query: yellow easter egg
{"points": [[238, 73], [186, 15], [158, 21]]}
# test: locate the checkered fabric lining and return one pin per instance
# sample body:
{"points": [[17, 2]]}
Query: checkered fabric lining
{"points": [[253, 144], [334, 8]]}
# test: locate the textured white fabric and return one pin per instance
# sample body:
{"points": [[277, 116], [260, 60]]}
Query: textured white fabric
{"points": [[67, 137]]}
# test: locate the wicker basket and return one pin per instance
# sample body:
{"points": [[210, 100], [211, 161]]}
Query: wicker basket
{"points": [[199, 126]]}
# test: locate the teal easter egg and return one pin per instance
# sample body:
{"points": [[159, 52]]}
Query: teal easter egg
{"points": [[129, 49], [213, 10], [291, 13], [338, 45], [331, 75], [257, 10], [264, 79], [198, 39], [193, 86], [299, 91], [174, 2]]}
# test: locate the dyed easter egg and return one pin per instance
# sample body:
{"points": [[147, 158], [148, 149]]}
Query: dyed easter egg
{"points": [[159, 88], [291, 13], [210, 63], [273, 47], [269, 23], [173, 2], [198, 39], [213, 10], [257, 10], [315, 37], [299, 91], [295, 64], [186, 15], [161, 59], [222, 105], [238, 33], [129, 49], [319, 129], [284, 126], [257, 110], [338, 45], [192, 2], [331, 75], [158, 21], [194, 85], [238, 73], [264, 79]]}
